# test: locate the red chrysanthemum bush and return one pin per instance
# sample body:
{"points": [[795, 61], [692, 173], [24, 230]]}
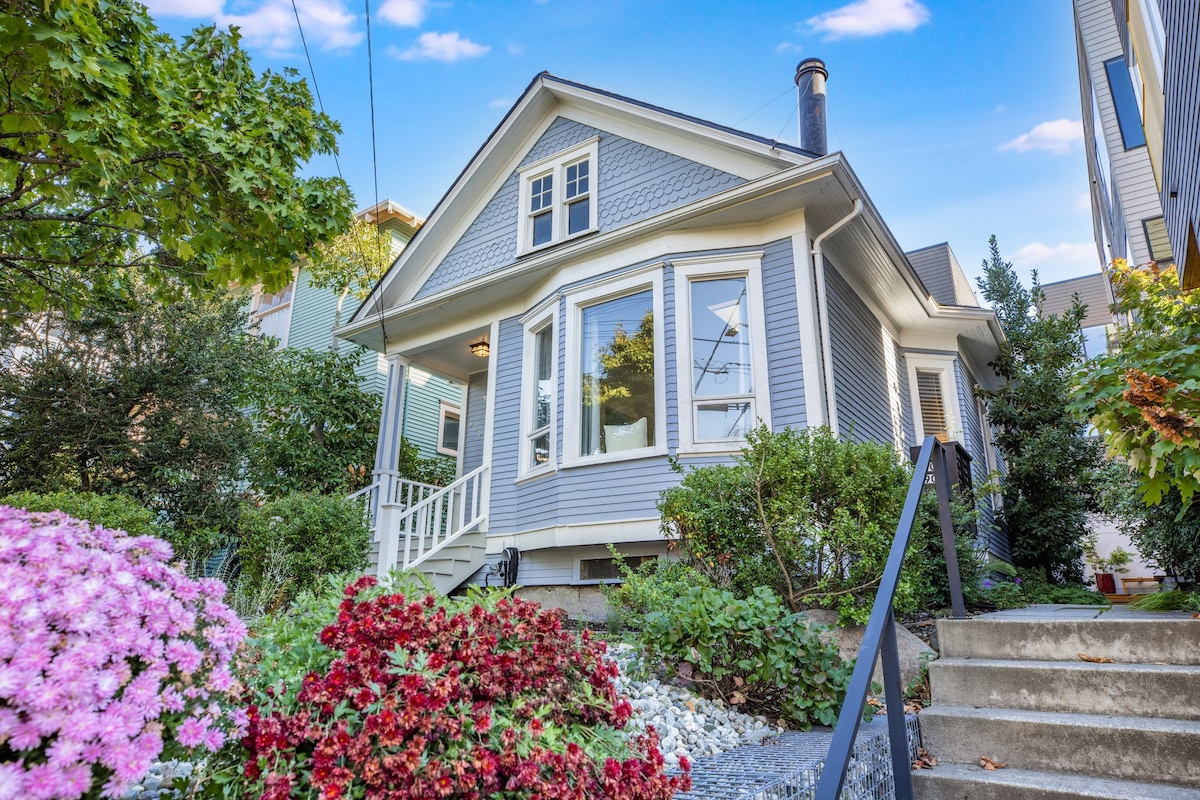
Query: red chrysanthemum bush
{"points": [[428, 698]]}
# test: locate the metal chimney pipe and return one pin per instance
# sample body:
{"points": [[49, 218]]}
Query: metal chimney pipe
{"points": [[810, 83]]}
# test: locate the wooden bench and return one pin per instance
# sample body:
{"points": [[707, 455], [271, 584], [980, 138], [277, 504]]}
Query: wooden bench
{"points": [[1139, 585]]}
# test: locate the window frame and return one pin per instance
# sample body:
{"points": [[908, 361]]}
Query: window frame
{"points": [[279, 311], [944, 366], [687, 271], [556, 166], [1125, 103], [447, 409], [541, 318], [611, 288]]}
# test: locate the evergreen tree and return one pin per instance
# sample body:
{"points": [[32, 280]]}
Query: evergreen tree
{"points": [[1050, 462]]}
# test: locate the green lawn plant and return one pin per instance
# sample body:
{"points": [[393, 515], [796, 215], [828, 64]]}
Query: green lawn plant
{"points": [[751, 652]]}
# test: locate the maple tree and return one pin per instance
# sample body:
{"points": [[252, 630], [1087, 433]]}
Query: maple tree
{"points": [[125, 152]]}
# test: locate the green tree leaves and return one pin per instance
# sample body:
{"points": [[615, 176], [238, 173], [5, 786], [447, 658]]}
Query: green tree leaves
{"points": [[1047, 486], [1144, 395], [120, 147]]}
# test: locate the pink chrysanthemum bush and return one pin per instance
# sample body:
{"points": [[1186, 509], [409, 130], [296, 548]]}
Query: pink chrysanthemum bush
{"points": [[110, 657]]}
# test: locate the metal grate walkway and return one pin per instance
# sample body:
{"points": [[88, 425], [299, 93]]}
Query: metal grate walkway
{"points": [[787, 767]]}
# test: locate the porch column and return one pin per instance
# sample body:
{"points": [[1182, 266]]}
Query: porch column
{"points": [[391, 421], [387, 458]]}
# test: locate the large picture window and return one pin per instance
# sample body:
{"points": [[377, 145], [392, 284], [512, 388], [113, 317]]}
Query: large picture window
{"points": [[617, 375]]}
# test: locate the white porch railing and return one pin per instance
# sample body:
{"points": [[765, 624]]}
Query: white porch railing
{"points": [[415, 521], [389, 488]]}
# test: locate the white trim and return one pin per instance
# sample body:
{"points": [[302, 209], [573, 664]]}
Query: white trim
{"points": [[446, 409], [598, 292], [578, 534], [810, 337], [555, 166], [532, 327], [944, 367], [729, 265], [489, 425]]}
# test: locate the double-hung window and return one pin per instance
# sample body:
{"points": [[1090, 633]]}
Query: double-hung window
{"points": [[558, 197], [934, 389], [722, 356], [540, 392], [615, 392]]}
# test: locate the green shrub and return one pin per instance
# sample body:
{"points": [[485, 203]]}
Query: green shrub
{"points": [[812, 517], [751, 652], [289, 545], [1030, 587], [112, 511], [650, 587]]}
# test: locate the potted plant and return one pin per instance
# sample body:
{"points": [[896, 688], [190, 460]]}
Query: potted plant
{"points": [[1104, 567]]}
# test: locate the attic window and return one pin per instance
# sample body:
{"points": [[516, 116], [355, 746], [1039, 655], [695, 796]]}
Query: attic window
{"points": [[558, 197]]}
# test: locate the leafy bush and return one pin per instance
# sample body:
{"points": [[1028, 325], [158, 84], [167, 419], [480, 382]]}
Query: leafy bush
{"points": [[1167, 533], [110, 657], [650, 587], [480, 697], [117, 512], [752, 652], [1030, 587], [926, 557], [301, 538], [800, 511]]}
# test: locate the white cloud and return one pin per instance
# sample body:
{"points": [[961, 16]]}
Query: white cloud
{"points": [[272, 24], [1084, 201], [208, 9], [1058, 136], [447, 47], [1075, 255], [405, 13], [500, 102], [871, 18], [515, 48], [788, 47]]}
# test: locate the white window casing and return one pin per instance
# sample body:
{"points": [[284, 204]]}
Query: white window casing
{"points": [[449, 428], [722, 393], [558, 197], [592, 296], [539, 393], [937, 375]]}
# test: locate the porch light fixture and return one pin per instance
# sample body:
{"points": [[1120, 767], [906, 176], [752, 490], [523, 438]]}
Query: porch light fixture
{"points": [[481, 348]]}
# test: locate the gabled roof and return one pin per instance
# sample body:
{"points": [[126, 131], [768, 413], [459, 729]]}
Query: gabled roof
{"points": [[547, 97]]}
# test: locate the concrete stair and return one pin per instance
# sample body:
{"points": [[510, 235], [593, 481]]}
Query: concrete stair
{"points": [[1016, 690]]}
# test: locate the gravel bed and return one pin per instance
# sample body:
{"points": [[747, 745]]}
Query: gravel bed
{"points": [[687, 725]]}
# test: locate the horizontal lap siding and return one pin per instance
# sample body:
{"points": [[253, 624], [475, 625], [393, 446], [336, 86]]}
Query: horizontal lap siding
{"points": [[859, 371], [1181, 135], [475, 422], [785, 363], [633, 181], [973, 424], [423, 411]]}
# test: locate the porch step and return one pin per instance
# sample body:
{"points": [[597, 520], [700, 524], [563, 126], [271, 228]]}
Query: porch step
{"points": [[1145, 690], [456, 562], [1024, 688], [1127, 748], [1129, 640], [967, 782]]}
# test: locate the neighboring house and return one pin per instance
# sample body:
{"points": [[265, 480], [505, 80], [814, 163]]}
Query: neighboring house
{"points": [[301, 315], [618, 284], [1140, 90]]}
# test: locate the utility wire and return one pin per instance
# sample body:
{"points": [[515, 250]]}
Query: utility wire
{"points": [[788, 90], [374, 153], [313, 72]]}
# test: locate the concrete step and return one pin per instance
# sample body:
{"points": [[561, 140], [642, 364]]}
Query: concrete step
{"points": [[1143, 690], [967, 782], [1125, 748], [1129, 640]]}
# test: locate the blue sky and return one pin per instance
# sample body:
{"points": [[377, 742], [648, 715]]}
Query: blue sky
{"points": [[961, 118]]}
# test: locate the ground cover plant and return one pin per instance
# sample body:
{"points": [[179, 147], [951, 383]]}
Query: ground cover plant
{"points": [[110, 658], [390, 686], [750, 652]]}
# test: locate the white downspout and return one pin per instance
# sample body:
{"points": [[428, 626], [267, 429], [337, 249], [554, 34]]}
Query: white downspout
{"points": [[823, 311]]}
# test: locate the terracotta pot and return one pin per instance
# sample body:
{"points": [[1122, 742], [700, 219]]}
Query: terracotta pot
{"points": [[1106, 583]]}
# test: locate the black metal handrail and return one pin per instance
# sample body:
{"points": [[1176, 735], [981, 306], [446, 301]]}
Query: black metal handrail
{"points": [[880, 635]]}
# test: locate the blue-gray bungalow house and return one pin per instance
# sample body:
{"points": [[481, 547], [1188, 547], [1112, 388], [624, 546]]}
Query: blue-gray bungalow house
{"points": [[616, 284]]}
